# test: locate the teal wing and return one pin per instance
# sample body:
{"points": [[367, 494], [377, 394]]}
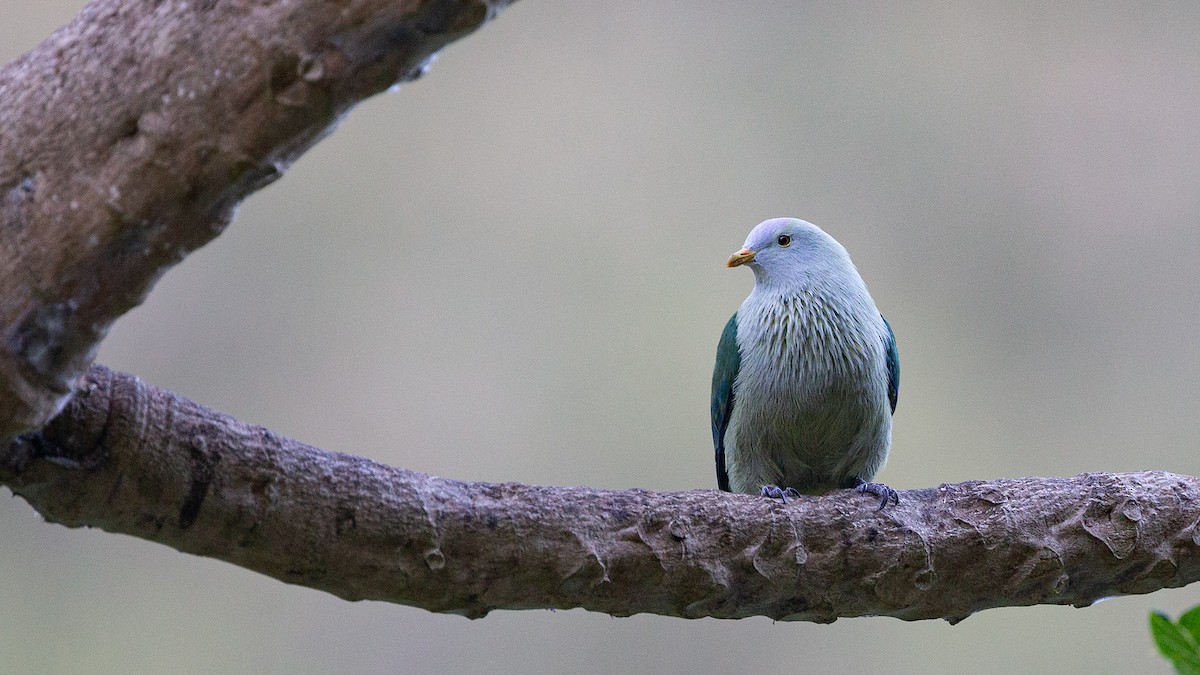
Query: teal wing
{"points": [[893, 365], [729, 359]]}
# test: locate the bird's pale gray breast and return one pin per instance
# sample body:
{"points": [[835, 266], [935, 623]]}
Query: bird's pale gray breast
{"points": [[811, 391]]}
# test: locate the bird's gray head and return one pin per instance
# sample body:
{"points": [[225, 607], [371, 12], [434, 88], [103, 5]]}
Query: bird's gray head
{"points": [[790, 251]]}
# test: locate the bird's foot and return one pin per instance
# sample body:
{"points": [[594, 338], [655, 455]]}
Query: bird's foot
{"points": [[782, 494], [885, 493]]}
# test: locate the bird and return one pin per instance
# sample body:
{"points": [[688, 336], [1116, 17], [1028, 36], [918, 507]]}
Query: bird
{"points": [[807, 372]]}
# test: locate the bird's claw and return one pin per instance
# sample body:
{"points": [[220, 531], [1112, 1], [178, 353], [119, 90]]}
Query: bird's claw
{"points": [[886, 494], [782, 494]]}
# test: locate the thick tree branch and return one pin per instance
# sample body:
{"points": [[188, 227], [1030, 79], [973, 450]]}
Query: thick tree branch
{"points": [[126, 140], [128, 137], [128, 457]]}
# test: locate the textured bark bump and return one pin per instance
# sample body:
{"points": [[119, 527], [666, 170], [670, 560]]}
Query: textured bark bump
{"points": [[128, 457]]}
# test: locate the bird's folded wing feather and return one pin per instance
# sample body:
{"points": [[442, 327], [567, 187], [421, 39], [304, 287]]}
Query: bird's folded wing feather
{"points": [[724, 374], [893, 365]]}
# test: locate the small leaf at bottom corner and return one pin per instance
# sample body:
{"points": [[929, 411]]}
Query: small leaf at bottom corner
{"points": [[1175, 643], [1190, 621]]}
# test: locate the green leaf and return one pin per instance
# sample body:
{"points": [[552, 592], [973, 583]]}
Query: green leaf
{"points": [[1176, 643], [1191, 623]]}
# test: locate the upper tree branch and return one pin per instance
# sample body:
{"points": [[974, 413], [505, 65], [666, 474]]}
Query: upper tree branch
{"points": [[128, 137], [128, 457]]}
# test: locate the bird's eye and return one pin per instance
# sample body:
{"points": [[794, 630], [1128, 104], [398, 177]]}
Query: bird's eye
{"points": [[783, 240]]}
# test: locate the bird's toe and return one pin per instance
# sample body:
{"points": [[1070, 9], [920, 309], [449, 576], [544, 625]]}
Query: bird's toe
{"points": [[782, 494], [885, 493]]}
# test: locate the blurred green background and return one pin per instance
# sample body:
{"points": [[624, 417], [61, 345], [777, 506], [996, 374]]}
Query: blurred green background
{"points": [[512, 270]]}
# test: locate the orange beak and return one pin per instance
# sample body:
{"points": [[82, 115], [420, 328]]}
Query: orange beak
{"points": [[740, 258]]}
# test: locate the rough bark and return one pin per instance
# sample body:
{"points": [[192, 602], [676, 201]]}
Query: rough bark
{"points": [[126, 141], [129, 457], [128, 137]]}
